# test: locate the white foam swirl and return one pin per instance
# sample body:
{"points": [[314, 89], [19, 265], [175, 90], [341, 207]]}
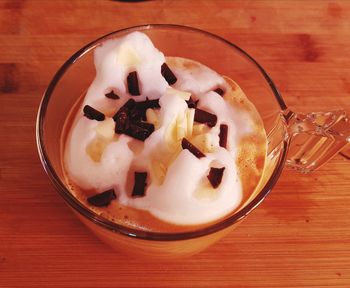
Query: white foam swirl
{"points": [[184, 196]]}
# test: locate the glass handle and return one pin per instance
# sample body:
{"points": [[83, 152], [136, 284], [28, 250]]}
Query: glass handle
{"points": [[314, 138]]}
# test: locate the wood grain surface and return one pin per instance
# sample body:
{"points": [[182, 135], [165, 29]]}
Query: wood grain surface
{"points": [[299, 237]]}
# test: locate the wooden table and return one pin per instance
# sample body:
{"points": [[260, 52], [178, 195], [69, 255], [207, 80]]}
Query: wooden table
{"points": [[299, 237]]}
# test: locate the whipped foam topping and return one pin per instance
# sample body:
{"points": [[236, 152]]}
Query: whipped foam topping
{"points": [[178, 190]]}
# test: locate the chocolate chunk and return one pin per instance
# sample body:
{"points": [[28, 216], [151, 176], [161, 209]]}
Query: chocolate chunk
{"points": [[139, 184], [133, 84], [193, 149], [122, 116], [202, 116], [102, 199], [145, 125], [137, 114], [191, 103], [112, 95], [223, 135], [136, 111], [219, 91], [93, 114], [140, 109], [122, 122], [144, 105], [128, 119], [168, 75], [130, 104], [140, 131], [215, 176]]}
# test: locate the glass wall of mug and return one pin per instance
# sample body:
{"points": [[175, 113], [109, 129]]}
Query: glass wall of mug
{"points": [[72, 80]]}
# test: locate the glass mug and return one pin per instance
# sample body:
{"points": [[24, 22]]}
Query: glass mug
{"points": [[300, 141]]}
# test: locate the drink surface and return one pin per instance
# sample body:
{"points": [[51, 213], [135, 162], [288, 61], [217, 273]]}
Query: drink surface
{"points": [[181, 192]]}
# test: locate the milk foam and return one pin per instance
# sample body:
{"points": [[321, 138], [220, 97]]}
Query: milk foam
{"points": [[185, 196]]}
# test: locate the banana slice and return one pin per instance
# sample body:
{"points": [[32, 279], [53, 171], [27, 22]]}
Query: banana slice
{"points": [[204, 142], [127, 56], [105, 129], [96, 147], [190, 120], [159, 167], [182, 94], [104, 135], [153, 117], [206, 193], [198, 129], [158, 171], [171, 135], [181, 127]]}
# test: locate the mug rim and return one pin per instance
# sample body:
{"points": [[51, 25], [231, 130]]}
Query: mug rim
{"points": [[132, 232]]}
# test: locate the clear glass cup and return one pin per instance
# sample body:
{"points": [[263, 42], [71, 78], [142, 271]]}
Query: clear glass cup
{"points": [[296, 140]]}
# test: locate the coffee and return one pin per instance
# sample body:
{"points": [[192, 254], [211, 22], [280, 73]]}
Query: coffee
{"points": [[103, 153]]}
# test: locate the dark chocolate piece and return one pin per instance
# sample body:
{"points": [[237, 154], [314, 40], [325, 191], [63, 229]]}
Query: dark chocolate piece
{"points": [[128, 105], [144, 105], [223, 135], [193, 149], [112, 95], [145, 125], [215, 176], [168, 75], [122, 122], [219, 91], [140, 109], [129, 116], [202, 116], [102, 199], [137, 114], [93, 114], [133, 84], [191, 103], [121, 118], [140, 131], [139, 184]]}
